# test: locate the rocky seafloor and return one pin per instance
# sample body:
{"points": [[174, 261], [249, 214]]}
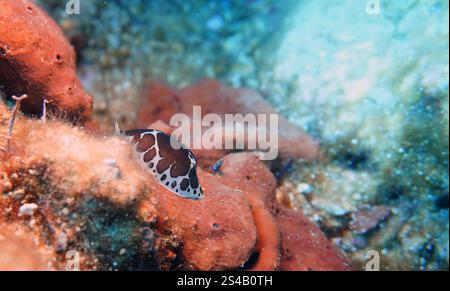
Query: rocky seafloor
{"points": [[371, 88]]}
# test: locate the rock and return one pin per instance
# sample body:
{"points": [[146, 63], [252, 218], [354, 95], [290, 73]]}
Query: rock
{"points": [[245, 173], [18, 194], [321, 181], [61, 242], [404, 145], [28, 209], [238, 217], [303, 245], [20, 251], [37, 60], [162, 102], [305, 188], [5, 184], [217, 232], [368, 217]]}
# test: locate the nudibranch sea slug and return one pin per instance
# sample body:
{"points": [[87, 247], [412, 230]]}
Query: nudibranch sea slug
{"points": [[174, 167]]}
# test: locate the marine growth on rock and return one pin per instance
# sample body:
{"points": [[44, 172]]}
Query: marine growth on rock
{"points": [[361, 100]]}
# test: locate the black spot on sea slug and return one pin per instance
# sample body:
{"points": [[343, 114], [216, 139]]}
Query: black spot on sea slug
{"points": [[193, 178], [184, 184]]}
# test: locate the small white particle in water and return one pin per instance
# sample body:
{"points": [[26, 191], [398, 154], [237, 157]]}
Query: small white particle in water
{"points": [[215, 23], [27, 209], [355, 141], [304, 188], [65, 212]]}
